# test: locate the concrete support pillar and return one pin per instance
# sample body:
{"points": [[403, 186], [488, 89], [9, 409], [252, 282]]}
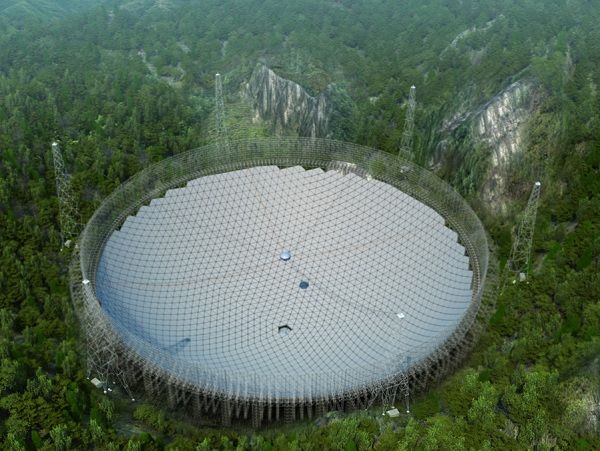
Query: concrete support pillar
{"points": [[171, 396], [289, 413], [226, 412], [319, 409], [197, 407], [150, 384], [257, 415], [309, 411]]}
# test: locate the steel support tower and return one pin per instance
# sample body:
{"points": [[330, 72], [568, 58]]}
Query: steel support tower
{"points": [[406, 145], [68, 214], [521, 250], [221, 129]]}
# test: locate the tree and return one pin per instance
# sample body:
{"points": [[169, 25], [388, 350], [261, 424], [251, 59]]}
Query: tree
{"points": [[443, 433], [10, 375], [60, 437]]}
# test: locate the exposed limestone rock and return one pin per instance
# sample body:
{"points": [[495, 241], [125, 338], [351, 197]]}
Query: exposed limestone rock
{"points": [[287, 105], [501, 125]]}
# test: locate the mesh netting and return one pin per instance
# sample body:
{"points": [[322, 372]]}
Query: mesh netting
{"points": [[279, 271]]}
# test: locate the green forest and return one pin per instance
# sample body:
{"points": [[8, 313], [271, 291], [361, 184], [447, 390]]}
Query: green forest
{"points": [[73, 71]]}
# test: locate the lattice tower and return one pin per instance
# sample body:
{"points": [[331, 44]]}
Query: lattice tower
{"points": [[68, 214], [406, 144], [222, 138], [521, 251], [102, 359]]}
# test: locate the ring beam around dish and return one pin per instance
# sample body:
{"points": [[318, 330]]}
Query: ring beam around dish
{"points": [[211, 273]]}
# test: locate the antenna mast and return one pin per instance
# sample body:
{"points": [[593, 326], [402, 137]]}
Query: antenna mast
{"points": [[66, 200], [222, 139], [521, 251], [406, 145]]}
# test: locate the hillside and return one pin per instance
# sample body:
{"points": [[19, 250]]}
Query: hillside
{"points": [[507, 94], [21, 14]]}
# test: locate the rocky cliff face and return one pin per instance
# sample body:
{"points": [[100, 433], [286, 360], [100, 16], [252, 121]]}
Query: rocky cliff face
{"points": [[477, 147], [501, 125], [497, 129], [287, 105]]}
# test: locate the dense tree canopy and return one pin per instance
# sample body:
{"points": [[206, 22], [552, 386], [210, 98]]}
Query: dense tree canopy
{"points": [[124, 83]]}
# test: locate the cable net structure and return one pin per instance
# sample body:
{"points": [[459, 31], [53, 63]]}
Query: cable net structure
{"points": [[279, 278]]}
